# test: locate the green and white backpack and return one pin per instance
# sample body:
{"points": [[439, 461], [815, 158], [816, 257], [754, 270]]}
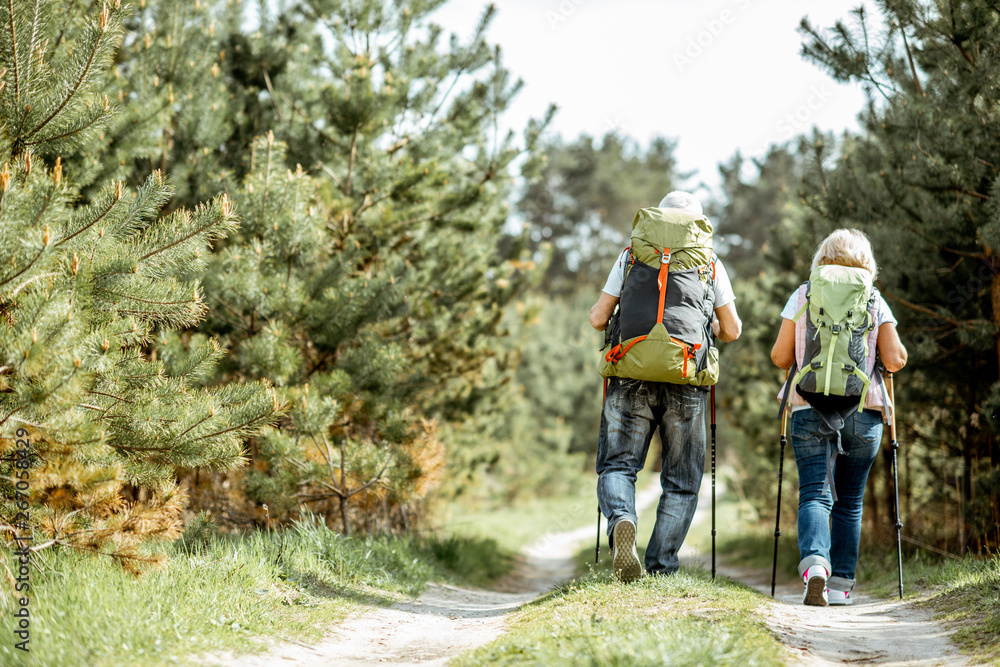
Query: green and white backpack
{"points": [[662, 329], [839, 301]]}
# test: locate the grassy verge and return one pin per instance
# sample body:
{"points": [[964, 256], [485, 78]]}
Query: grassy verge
{"points": [[965, 593], [967, 596], [519, 525], [229, 593], [684, 619]]}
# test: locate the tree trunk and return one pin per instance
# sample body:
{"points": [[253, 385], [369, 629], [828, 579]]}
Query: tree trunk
{"points": [[995, 297]]}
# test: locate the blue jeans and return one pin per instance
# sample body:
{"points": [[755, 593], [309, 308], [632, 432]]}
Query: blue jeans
{"points": [[829, 532], [633, 410]]}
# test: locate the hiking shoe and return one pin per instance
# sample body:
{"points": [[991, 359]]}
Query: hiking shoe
{"points": [[815, 583], [626, 559], [835, 597]]}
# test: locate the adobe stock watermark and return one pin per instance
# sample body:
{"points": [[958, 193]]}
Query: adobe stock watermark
{"points": [[799, 119], [712, 30], [22, 540], [563, 11], [616, 125]]}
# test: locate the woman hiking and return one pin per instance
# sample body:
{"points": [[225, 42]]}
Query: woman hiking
{"points": [[835, 437]]}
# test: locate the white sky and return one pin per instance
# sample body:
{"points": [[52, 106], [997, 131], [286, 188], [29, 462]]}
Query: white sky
{"points": [[719, 75]]}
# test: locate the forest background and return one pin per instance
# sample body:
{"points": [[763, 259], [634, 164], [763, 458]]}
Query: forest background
{"points": [[259, 266]]}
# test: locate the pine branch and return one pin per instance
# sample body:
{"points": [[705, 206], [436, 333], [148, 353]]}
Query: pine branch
{"points": [[196, 424], [117, 398], [32, 41], [45, 207], [72, 92], [967, 324], [150, 301], [76, 130], [179, 241], [243, 425], [30, 264], [13, 51], [913, 67], [93, 222]]}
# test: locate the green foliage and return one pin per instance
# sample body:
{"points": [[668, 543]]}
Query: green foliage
{"points": [[921, 181], [173, 105], [767, 244], [83, 288], [372, 292], [584, 201]]}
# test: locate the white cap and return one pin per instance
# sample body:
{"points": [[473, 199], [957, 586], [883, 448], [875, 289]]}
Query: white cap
{"points": [[682, 200]]}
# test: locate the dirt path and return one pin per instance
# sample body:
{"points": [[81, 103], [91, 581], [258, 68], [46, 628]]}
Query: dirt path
{"points": [[443, 621], [446, 620], [872, 631]]}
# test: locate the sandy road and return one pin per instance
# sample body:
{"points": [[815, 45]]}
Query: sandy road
{"points": [[445, 621], [871, 631]]}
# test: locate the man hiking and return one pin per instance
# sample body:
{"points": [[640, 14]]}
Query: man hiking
{"points": [[673, 297]]}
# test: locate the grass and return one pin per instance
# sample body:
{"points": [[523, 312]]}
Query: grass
{"points": [[683, 619], [231, 593], [519, 525], [967, 597]]}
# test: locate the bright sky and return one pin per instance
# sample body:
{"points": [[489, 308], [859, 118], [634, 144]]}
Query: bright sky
{"points": [[719, 75]]}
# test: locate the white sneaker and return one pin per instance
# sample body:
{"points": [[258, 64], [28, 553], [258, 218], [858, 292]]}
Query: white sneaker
{"points": [[815, 586], [835, 597], [626, 559]]}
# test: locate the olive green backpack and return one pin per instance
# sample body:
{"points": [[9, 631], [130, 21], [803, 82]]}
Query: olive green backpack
{"points": [[839, 301], [662, 329]]}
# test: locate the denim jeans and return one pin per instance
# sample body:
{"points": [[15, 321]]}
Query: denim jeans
{"points": [[829, 532], [633, 410]]}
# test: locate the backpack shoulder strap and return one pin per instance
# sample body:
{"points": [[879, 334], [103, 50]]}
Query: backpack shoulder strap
{"points": [[788, 388], [805, 306]]}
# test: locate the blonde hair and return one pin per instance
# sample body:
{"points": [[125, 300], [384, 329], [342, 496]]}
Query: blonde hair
{"points": [[846, 247]]}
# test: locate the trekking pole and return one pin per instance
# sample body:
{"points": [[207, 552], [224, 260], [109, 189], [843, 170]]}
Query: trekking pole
{"points": [[781, 465], [895, 484], [713, 482]]}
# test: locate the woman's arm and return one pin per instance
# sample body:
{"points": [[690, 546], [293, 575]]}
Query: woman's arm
{"points": [[890, 348], [783, 352]]}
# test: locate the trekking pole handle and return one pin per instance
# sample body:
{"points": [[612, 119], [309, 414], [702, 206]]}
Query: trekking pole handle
{"points": [[788, 405], [892, 399]]}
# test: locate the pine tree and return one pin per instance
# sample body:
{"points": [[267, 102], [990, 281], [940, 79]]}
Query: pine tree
{"points": [[923, 181], [174, 110], [84, 290], [369, 283]]}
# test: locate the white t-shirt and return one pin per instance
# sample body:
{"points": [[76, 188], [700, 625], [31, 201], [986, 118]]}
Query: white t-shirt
{"points": [[884, 314], [723, 287]]}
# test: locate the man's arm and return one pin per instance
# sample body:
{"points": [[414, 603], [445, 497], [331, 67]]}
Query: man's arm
{"points": [[727, 325], [601, 312]]}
